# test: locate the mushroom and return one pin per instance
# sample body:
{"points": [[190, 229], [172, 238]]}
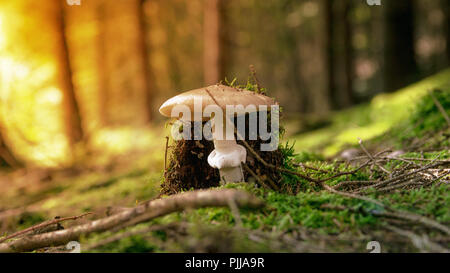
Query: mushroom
{"points": [[227, 155]]}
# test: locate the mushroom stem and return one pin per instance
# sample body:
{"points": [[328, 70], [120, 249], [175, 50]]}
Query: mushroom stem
{"points": [[227, 157]]}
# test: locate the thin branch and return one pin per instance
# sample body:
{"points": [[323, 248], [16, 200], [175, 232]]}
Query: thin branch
{"points": [[440, 107], [421, 242], [165, 155], [42, 225], [258, 179], [151, 210], [352, 195], [414, 218], [371, 157]]}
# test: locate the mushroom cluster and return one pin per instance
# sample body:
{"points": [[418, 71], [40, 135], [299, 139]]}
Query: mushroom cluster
{"points": [[227, 155]]}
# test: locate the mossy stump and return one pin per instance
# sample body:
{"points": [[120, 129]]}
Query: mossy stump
{"points": [[189, 169]]}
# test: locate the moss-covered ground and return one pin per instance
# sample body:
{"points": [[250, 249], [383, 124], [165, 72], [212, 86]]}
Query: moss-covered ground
{"points": [[307, 219]]}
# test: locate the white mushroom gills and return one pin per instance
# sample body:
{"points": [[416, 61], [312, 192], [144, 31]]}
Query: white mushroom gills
{"points": [[227, 155]]}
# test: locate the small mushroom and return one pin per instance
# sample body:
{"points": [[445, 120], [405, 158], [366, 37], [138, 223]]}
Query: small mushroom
{"points": [[227, 155]]}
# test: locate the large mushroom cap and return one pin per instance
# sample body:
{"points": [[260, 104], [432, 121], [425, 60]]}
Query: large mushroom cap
{"points": [[224, 95]]}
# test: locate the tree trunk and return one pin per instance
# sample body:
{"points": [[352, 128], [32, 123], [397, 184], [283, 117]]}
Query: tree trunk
{"points": [[399, 59], [212, 56], [340, 53], [446, 8], [7, 156], [329, 41], [143, 49], [347, 94], [72, 120], [102, 68]]}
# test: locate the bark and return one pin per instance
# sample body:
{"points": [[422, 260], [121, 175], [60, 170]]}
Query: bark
{"points": [[145, 212], [349, 67], [446, 8], [400, 65], [144, 56], [7, 156], [212, 47], [72, 120], [103, 83], [341, 53], [329, 38]]}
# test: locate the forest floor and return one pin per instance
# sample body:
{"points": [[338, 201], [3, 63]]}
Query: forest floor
{"points": [[400, 165]]}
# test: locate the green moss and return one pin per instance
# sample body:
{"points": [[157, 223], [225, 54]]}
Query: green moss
{"points": [[426, 117], [384, 113], [29, 219], [132, 244], [432, 202]]}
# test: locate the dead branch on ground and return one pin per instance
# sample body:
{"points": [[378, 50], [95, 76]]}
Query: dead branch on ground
{"points": [[151, 210]]}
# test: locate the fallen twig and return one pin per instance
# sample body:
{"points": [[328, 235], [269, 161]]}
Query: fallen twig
{"points": [[440, 107], [165, 155], [371, 157], [42, 225], [258, 179], [153, 209], [414, 218], [421, 242]]}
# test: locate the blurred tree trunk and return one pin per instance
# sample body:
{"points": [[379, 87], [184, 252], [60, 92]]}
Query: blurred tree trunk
{"points": [[143, 50], [72, 120], [103, 84], [400, 67], [340, 52], [446, 8], [349, 71], [329, 41], [7, 156], [212, 44]]}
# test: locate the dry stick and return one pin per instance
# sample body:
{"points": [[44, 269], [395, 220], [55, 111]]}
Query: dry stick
{"points": [[42, 225], [439, 106], [156, 208], [414, 218], [416, 159], [371, 157], [271, 182], [235, 211], [402, 215], [405, 175], [304, 166], [397, 186], [421, 242], [352, 183], [355, 196], [165, 155], [258, 179], [439, 178]]}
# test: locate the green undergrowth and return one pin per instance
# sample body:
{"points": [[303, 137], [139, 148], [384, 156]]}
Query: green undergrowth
{"points": [[398, 119], [393, 120], [405, 114]]}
